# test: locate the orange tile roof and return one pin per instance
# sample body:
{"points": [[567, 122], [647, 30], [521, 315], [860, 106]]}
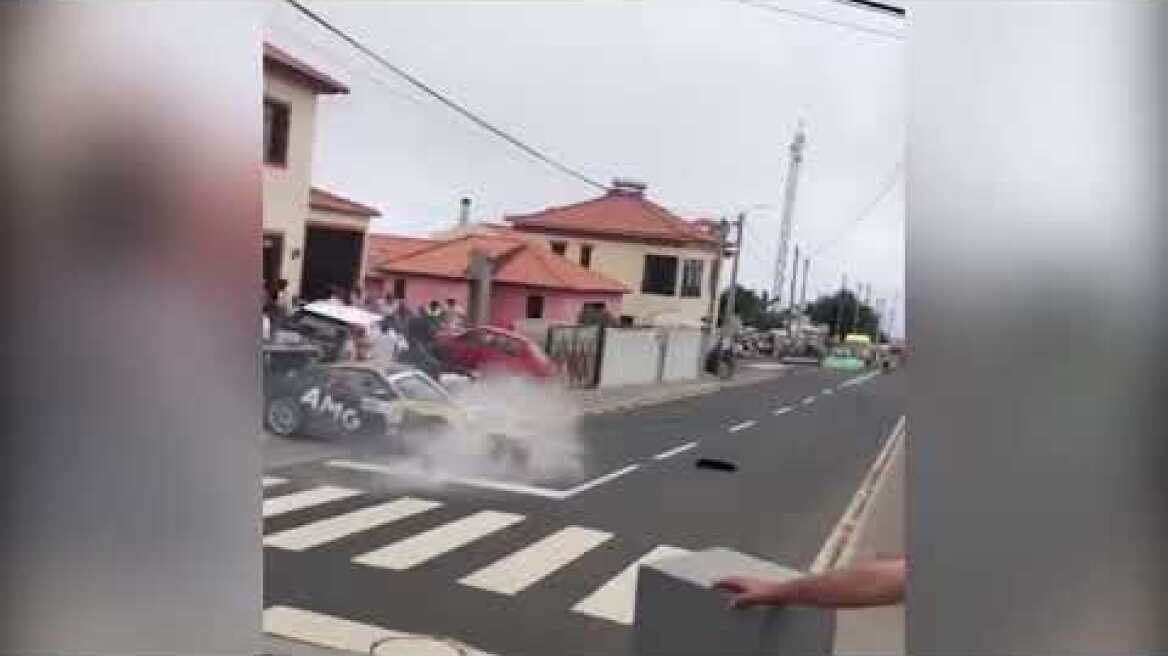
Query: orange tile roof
{"points": [[383, 249], [619, 214], [276, 60], [518, 261], [319, 199]]}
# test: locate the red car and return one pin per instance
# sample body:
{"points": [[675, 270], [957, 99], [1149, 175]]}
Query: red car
{"points": [[489, 349]]}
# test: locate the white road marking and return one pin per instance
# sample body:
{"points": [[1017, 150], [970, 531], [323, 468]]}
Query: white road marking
{"points": [[502, 486], [616, 600], [674, 451], [346, 635], [335, 528], [269, 481], [743, 426], [417, 549], [312, 497], [601, 480], [858, 379], [782, 411], [808, 400], [828, 390], [323, 630], [525, 567]]}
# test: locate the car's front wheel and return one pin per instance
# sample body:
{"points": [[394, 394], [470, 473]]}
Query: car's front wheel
{"points": [[283, 416]]}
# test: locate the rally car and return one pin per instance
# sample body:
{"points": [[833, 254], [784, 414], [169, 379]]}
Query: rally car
{"points": [[356, 399]]}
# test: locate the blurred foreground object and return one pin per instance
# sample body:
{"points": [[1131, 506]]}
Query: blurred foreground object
{"points": [[132, 223]]}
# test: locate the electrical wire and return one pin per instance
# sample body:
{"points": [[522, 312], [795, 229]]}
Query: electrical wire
{"points": [[884, 189], [821, 19], [442, 98]]}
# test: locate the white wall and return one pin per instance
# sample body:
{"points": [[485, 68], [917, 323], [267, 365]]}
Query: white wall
{"points": [[682, 354], [631, 356]]}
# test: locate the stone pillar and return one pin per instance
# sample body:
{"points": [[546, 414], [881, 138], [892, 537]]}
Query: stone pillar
{"points": [[480, 271]]}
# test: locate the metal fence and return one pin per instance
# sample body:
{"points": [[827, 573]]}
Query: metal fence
{"points": [[578, 350]]}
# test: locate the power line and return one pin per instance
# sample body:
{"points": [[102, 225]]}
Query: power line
{"points": [[440, 97], [821, 19], [892, 178], [876, 6]]}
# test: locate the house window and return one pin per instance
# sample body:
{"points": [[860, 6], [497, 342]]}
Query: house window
{"points": [[534, 307], [660, 276], [275, 132], [585, 255], [559, 247], [399, 288], [691, 278]]}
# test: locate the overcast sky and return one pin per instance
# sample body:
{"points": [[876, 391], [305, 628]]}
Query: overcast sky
{"points": [[697, 99]]}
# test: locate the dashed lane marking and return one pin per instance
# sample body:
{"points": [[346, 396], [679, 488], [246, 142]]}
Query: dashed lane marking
{"points": [[674, 451], [743, 426]]}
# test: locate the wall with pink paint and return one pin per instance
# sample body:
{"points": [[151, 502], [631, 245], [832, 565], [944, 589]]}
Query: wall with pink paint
{"points": [[509, 303], [420, 290]]}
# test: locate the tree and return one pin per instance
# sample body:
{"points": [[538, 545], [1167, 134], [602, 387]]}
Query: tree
{"points": [[752, 308], [839, 312]]}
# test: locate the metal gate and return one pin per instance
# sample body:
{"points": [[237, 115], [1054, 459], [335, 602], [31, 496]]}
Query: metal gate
{"points": [[577, 349]]}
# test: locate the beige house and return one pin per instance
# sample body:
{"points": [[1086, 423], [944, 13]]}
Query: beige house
{"points": [[664, 261], [313, 238]]}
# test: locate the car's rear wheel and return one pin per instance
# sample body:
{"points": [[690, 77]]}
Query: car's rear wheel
{"points": [[283, 416]]}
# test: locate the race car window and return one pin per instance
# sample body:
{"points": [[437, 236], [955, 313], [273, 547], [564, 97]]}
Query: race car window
{"points": [[366, 383], [417, 388]]}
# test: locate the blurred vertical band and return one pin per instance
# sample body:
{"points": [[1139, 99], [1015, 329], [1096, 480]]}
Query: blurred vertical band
{"points": [[131, 210], [1036, 270]]}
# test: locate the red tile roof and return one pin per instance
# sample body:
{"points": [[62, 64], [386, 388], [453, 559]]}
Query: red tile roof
{"points": [[278, 61], [319, 199], [383, 249], [518, 261], [620, 214]]}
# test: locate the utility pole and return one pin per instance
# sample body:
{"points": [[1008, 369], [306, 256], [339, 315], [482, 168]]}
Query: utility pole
{"points": [[794, 278], [731, 300], [839, 307], [716, 275], [856, 316], [796, 158], [803, 294]]}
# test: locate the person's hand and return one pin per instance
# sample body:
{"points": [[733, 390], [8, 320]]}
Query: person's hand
{"points": [[754, 592]]}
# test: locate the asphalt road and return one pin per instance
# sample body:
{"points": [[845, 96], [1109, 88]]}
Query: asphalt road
{"points": [[800, 445]]}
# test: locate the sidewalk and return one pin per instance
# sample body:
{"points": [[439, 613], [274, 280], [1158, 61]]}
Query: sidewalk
{"points": [[625, 397]]}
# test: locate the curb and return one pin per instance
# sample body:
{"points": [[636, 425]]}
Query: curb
{"points": [[842, 539], [705, 388]]}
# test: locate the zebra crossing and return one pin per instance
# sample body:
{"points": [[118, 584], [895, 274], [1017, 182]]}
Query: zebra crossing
{"points": [[508, 576]]}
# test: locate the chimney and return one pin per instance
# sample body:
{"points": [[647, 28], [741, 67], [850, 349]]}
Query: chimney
{"points": [[627, 187], [464, 211]]}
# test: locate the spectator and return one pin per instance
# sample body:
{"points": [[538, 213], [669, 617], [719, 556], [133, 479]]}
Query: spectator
{"points": [[876, 582], [434, 314], [281, 300], [454, 316]]}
